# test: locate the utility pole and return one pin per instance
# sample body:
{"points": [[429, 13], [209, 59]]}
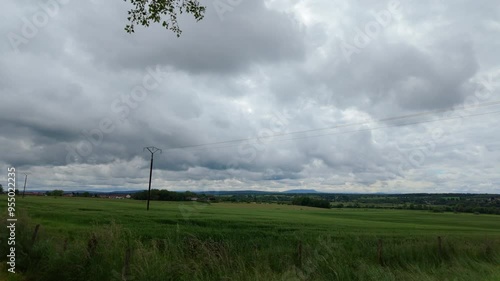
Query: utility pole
{"points": [[25, 180], [152, 150]]}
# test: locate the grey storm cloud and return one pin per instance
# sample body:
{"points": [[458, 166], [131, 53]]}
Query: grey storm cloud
{"points": [[248, 35], [80, 97]]}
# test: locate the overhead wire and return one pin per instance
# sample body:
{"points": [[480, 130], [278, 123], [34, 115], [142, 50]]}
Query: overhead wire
{"points": [[236, 142]]}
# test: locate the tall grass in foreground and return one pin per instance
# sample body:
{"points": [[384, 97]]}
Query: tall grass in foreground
{"points": [[111, 252]]}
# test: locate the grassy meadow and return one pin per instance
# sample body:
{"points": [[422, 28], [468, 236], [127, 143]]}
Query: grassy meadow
{"points": [[106, 239]]}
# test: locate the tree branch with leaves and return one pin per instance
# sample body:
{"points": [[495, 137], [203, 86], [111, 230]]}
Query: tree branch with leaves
{"points": [[146, 12]]}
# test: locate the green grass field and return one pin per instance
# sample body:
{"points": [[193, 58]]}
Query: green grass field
{"points": [[87, 239]]}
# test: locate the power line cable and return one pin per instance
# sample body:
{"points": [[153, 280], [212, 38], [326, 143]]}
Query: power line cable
{"points": [[335, 133], [337, 126]]}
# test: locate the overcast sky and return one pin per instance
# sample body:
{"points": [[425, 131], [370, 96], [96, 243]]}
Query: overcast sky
{"points": [[337, 96]]}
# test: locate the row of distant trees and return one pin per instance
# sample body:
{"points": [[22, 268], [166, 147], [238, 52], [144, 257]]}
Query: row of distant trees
{"points": [[311, 202], [56, 192], [59, 192], [164, 195], [1, 189], [459, 208]]}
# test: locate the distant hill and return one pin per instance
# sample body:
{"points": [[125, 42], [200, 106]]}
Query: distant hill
{"points": [[210, 192], [92, 191], [301, 191], [229, 192]]}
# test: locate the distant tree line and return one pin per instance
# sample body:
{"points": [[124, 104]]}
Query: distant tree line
{"points": [[84, 194], [55, 192], [164, 195], [311, 202], [447, 202], [458, 203]]}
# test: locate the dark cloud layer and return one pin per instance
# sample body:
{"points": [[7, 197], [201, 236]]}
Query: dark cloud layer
{"points": [[80, 98]]}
